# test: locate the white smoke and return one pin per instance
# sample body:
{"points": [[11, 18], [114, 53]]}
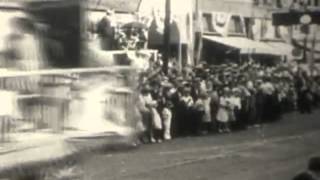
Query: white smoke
{"points": [[100, 109]]}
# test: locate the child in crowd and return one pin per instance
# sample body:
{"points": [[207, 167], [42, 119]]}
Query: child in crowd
{"points": [[223, 115]]}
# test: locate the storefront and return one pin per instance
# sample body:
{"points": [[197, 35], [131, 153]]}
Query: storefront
{"points": [[225, 39]]}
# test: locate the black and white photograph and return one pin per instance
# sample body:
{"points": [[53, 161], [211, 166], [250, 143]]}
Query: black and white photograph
{"points": [[159, 89]]}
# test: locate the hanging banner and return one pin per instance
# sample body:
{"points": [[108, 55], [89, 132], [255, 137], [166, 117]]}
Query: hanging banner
{"points": [[220, 22]]}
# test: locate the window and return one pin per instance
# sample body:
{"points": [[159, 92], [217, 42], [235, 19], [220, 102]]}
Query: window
{"points": [[256, 2], [236, 25], [277, 32], [267, 2], [207, 23], [279, 4]]}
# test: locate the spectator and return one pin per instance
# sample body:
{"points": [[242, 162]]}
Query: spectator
{"points": [[167, 118], [223, 114]]}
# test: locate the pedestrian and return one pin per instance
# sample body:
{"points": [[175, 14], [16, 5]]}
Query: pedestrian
{"points": [[156, 135], [167, 118], [203, 114], [303, 92], [223, 115], [206, 119], [235, 108], [145, 105], [187, 113], [214, 106], [268, 90]]}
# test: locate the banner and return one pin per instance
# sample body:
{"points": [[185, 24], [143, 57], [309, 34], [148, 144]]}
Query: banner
{"points": [[220, 22]]}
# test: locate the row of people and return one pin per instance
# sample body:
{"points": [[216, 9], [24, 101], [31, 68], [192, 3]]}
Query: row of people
{"points": [[205, 99]]}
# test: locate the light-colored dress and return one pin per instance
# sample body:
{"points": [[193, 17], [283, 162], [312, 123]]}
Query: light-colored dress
{"points": [[167, 118], [222, 115]]}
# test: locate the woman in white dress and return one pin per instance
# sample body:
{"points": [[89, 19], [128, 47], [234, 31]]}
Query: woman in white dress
{"points": [[223, 115]]}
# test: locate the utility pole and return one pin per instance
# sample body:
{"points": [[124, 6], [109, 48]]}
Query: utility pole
{"points": [[198, 33], [166, 38]]}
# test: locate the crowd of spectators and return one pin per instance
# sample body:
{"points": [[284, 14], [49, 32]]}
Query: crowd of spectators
{"points": [[222, 98]]}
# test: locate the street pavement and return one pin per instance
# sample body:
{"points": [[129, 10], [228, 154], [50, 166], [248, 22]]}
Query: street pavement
{"points": [[274, 151]]}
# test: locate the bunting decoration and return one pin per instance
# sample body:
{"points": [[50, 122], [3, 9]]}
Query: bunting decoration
{"points": [[220, 22]]}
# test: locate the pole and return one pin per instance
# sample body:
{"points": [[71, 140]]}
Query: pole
{"points": [[166, 36], [311, 65], [198, 34]]}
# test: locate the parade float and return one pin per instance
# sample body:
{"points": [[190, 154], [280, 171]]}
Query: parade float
{"points": [[80, 98]]}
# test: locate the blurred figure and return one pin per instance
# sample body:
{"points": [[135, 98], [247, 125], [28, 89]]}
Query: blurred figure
{"points": [[167, 118], [186, 100], [143, 38], [23, 50], [145, 106], [304, 176], [202, 108], [303, 92], [314, 167], [223, 115], [106, 31]]}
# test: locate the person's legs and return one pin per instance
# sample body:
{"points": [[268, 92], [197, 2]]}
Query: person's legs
{"points": [[167, 128], [220, 126], [157, 135], [300, 103], [227, 127], [147, 122]]}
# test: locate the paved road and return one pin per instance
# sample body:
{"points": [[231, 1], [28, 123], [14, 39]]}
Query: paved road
{"points": [[276, 151]]}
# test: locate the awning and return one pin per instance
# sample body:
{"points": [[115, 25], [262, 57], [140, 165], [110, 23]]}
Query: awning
{"points": [[245, 45], [117, 5], [283, 48]]}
